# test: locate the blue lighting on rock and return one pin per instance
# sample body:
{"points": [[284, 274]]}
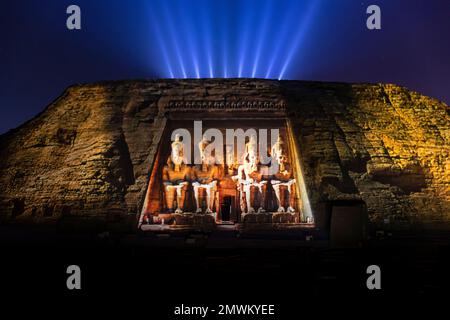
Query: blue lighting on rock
{"points": [[230, 38]]}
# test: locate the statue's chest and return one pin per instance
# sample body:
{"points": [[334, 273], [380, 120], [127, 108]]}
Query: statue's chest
{"points": [[201, 175], [177, 175], [283, 176]]}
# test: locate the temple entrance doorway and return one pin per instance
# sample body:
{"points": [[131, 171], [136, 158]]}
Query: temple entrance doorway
{"points": [[226, 208]]}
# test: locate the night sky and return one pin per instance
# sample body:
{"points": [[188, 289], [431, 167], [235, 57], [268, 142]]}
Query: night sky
{"points": [[129, 39]]}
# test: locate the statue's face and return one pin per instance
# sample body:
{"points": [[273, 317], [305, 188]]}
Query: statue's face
{"points": [[206, 158], [281, 157], [279, 152], [177, 160], [229, 154], [177, 151], [253, 159], [202, 146]]}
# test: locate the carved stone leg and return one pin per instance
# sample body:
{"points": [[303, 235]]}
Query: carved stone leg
{"points": [[291, 192], [178, 189], [262, 189], [181, 195], [169, 196], [247, 191], [276, 187], [210, 195], [196, 187], [213, 199], [242, 198]]}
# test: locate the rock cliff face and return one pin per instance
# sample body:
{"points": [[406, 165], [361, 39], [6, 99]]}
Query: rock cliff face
{"points": [[87, 156]]}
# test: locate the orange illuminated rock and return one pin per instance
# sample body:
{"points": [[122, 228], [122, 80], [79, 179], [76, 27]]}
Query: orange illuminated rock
{"points": [[86, 158]]}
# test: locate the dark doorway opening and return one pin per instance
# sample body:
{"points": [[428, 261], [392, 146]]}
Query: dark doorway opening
{"points": [[225, 209], [348, 223]]}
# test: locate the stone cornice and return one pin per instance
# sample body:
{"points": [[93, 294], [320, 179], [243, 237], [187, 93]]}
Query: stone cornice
{"points": [[224, 105]]}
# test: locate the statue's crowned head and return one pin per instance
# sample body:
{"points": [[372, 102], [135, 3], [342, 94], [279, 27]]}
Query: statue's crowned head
{"points": [[252, 142], [202, 146], [177, 151], [279, 151], [279, 139]]}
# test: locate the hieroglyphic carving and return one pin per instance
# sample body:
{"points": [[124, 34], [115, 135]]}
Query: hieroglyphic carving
{"points": [[230, 105]]}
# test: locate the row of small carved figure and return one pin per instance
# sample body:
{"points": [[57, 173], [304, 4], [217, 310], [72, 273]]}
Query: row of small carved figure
{"points": [[277, 217], [197, 104]]}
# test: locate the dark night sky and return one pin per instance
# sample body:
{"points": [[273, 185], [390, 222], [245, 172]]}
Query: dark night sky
{"points": [[40, 57]]}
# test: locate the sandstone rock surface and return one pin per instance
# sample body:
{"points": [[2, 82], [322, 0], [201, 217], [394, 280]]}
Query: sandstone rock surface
{"points": [[87, 156]]}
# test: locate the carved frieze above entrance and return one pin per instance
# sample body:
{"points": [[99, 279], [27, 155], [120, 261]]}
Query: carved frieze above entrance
{"points": [[226, 105]]}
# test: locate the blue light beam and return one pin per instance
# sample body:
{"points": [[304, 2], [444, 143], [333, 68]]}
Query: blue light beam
{"points": [[230, 38], [298, 38]]}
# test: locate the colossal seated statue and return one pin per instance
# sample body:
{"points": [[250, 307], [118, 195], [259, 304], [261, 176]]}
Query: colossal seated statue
{"points": [[282, 181], [250, 180], [205, 177], [175, 177]]}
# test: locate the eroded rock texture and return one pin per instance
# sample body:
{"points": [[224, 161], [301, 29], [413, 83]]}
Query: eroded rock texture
{"points": [[88, 155]]}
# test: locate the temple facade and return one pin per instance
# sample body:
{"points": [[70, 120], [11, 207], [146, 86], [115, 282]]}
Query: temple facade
{"points": [[229, 184], [106, 156]]}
